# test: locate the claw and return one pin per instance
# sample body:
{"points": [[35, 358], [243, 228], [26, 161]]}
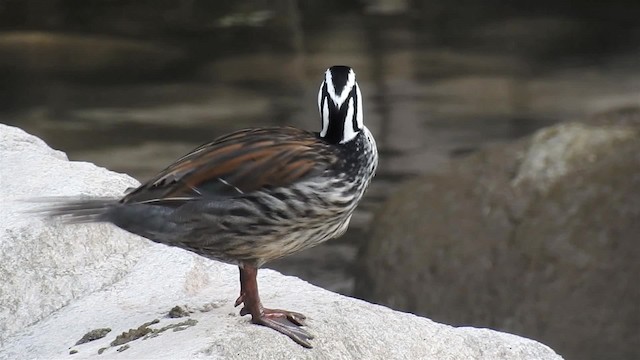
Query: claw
{"points": [[282, 323], [239, 300], [293, 317]]}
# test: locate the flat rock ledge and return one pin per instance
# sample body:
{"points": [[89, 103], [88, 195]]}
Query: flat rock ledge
{"points": [[61, 282]]}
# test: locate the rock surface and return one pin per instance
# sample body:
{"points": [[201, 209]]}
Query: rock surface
{"points": [[43, 265], [60, 283], [539, 238]]}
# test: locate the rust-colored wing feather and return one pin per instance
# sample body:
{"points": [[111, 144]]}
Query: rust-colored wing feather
{"points": [[239, 163]]}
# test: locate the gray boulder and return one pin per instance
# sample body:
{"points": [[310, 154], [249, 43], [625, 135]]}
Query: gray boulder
{"points": [[64, 284], [539, 237]]}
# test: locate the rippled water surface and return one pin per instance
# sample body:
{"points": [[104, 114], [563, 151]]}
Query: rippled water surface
{"points": [[437, 83]]}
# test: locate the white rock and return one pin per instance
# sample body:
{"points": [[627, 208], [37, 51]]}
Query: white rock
{"points": [[44, 266], [65, 281]]}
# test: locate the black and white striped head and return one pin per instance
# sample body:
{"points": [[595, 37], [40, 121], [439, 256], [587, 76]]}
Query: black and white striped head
{"points": [[340, 104]]}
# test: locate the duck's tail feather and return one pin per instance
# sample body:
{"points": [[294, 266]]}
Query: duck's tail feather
{"points": [[75, 210]]}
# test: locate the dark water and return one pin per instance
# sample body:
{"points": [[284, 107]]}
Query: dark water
{"points": [[134, 85]]}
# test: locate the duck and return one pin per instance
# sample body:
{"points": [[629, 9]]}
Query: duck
{"points": [[253, 196]]}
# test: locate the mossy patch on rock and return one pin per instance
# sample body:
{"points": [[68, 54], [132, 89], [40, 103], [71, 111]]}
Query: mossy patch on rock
{"points": [[133, 334], [178, 312], [94, 334], [143, 331]]}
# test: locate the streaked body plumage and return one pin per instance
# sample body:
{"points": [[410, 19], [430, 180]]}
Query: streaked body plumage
{"points": [[255, 195], [226, 216]]}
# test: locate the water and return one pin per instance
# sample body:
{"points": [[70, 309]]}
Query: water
{"points": [[438, 82]]}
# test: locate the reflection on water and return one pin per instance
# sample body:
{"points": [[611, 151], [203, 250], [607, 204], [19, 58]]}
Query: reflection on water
{"points": [[438, 80]]}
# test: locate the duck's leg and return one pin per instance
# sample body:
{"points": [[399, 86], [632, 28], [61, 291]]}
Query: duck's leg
{"points": [[285, 322]]}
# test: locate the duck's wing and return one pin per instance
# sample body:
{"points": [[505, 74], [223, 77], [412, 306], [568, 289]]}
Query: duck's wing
{"points": [[239, 163]]}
